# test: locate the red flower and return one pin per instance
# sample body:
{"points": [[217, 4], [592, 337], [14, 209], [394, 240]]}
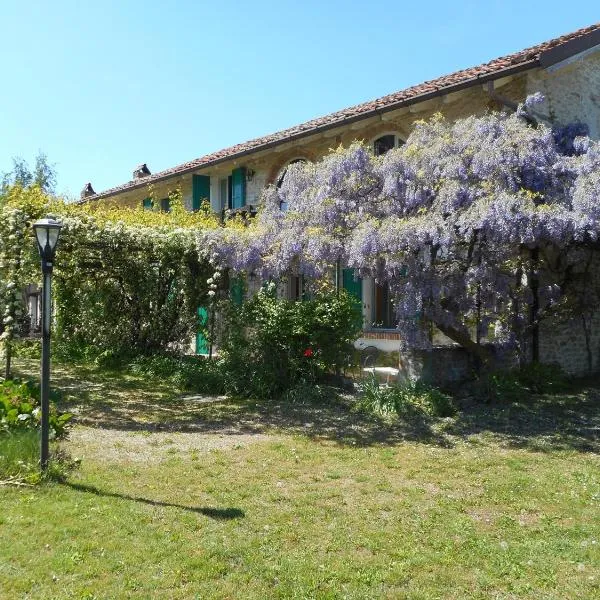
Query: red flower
{"points": [[308, 352]]}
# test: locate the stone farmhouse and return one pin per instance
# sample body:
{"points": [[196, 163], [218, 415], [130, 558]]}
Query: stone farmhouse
{"points": [[566, 70]]}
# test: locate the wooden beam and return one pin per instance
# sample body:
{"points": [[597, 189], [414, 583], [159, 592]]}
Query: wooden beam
{"points": [[394, 114]]}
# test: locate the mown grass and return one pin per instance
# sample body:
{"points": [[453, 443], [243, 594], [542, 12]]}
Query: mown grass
{"points": [[260, 500]]}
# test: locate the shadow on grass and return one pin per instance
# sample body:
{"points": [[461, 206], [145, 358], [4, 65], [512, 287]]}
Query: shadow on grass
{"points": [[221, 514], [569, 421]]}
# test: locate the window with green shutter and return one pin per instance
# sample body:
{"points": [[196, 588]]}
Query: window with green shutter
{"points": [[147, 203], [202, 346], [353, 285], [238, 188], [200, 190], [236, 290]]}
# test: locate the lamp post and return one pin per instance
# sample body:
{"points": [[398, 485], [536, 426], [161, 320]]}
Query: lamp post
{"points": [[46, 233]]}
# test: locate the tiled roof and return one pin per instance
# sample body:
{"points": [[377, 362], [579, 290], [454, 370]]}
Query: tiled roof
{"points": [[544, 55]]}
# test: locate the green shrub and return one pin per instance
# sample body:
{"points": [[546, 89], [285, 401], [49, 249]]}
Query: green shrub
{"points": [[406, 399], [543, 378], [28, 348], [270, 345], [19, 409], [500, 386], [517, 385], [190, 373], [305, 393]]}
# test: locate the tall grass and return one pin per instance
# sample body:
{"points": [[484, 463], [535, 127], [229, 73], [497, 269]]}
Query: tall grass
{"points": [[19, 454]]}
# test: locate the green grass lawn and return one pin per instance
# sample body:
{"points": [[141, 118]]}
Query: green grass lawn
{"points": [[186, 498]]}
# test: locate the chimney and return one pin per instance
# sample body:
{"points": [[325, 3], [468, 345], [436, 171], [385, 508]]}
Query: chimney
{"points": [[87, 191], [141, 171]]}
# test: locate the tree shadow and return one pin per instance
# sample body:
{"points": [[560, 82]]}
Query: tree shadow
{"points": [[221, 514], [569, 421], [542, 423]]}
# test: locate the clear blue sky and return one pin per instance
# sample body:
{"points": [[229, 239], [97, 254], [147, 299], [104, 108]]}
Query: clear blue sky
{"points": [[101, 86]]}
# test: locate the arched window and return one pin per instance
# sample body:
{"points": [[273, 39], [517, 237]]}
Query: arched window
{"points": [[281, 177], [386, 142]]}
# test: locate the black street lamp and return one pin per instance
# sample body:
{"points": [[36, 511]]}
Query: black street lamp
{"points": [[46, 233]]}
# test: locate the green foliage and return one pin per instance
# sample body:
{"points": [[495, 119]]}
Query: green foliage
{"points": [[407, 400], [19, 454], [127, 281], [43, 174], [28, 348], [517, 385], [270, 345], [191, 373], [20, 458], [310, 393], [543, 378], [20, 409]]}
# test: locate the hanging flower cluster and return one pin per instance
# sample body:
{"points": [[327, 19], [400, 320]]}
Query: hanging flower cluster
{"points": [[473, 224]]}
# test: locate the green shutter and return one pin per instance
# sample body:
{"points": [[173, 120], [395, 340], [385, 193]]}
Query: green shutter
{"points": [[200, 190], [201, 341], [238, 184], [147, 203], [236, 290], [353, 285]]}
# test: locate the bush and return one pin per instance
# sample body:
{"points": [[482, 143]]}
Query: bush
{"points": [[310, 394], [500, 386], [20, 409], [270, 345], [543, 379], [191, 373], [406, 400], [518, 384], [28, 348]]}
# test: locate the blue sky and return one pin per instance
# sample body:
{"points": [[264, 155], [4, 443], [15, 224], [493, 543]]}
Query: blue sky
{"points": [[103, 86]]}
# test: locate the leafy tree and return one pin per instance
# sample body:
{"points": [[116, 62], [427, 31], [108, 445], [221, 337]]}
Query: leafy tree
{"points": [[42, 175]]}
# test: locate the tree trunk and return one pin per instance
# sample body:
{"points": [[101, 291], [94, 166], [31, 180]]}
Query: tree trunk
{"points": [[481, 353], [534, 284], [7, 372]]}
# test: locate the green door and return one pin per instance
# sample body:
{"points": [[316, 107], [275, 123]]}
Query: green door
{"points": [[201, 341], [200, 190], [353, 285]]}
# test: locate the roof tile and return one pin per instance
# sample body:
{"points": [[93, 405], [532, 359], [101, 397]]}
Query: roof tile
{"points": [[527, 58]]}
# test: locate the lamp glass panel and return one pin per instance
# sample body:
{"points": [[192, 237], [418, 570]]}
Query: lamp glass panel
{"points": [[53, 237], [41, 234]]}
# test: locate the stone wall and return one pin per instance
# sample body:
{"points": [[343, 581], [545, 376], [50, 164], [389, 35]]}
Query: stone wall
{"points": [[571, 89], [565, 344]]}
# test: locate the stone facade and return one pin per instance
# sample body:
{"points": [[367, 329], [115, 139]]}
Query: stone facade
{"points": [[567, 345], [572, 92]]}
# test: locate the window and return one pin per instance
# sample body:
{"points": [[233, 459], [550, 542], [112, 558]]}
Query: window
{"points": [[385, 143], [280, 178], [383, 309], [147, 203], [165, 205], [224, 197]]}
